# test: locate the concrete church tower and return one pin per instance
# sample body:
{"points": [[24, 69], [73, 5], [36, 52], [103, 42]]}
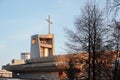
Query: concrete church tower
{"points": [[42, 46]]}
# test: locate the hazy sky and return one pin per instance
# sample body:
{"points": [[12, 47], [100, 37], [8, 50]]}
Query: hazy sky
{"points": [[19, 19]]}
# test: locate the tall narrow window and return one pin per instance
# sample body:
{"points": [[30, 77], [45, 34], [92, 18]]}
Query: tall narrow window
{"points": [[42, 52]]}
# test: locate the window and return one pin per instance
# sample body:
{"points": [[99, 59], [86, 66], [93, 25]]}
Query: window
{"points": [[33, 40]]}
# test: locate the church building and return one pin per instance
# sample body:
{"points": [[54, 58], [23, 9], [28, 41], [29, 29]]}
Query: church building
{"points": [[42, 62]]}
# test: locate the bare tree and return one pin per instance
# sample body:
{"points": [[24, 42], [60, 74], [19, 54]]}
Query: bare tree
{"points": [[112, 9], [87, 36], [116, 35], [116, 45]]}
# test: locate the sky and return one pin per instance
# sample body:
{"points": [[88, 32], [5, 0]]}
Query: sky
{"points": [[20, 19]]}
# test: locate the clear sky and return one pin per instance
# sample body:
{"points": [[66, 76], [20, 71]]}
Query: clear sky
{"points": [[19, 19]]}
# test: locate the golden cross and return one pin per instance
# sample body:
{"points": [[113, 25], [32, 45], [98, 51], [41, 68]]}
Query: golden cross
{"points": [[49, 22]]}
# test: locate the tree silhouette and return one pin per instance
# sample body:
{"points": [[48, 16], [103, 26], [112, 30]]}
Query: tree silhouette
{"points": [[87, 36]]}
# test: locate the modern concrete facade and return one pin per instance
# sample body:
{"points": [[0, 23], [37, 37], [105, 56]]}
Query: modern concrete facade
{"points": [[42, 46], [42, 61], [49, 67]]}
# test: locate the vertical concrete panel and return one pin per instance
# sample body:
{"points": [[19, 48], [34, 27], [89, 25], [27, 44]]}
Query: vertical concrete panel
{"points": [[35, 51]]}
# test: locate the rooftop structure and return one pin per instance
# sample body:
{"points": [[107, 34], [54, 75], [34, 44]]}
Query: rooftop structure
{"points": [[25, 56], [42, 46]]}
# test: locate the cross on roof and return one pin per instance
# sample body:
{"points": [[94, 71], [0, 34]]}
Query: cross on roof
{"points": [[49, 22]]}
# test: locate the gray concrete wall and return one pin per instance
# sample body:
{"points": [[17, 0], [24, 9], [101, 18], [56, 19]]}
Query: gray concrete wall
{"points": [[35, 51], [39, 75]]}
